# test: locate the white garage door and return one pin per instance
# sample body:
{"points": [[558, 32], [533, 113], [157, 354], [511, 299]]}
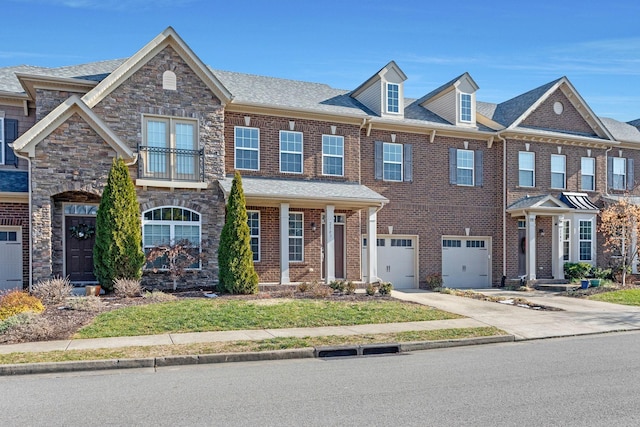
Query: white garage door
{"points": [[465, 262], [396, 261], [10, 258]]}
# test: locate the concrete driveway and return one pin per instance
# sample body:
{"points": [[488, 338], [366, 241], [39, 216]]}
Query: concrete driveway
{"points": [[578, 316]]}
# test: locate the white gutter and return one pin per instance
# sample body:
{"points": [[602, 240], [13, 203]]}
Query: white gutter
{"points": [[30, 220]]}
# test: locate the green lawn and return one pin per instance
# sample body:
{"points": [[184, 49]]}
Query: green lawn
{"points": [[625, 296], [222, 315]]}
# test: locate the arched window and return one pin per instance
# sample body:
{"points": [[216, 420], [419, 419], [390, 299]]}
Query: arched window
{"points": [[169, 225]]}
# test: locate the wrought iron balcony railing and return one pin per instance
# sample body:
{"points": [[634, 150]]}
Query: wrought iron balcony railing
{"points": [[171, 164]]}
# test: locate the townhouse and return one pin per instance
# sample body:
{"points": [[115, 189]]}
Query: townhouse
{"points": [[362, 184]]}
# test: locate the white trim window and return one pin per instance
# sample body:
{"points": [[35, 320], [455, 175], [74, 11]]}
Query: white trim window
{"points": [[253, 221], [619, 173], [465, 107], [2, 149], [171, 147], [566, 241], [586, 240], [332, 155], [526, 169], [558, 171], [296, 236], [168, 225], [393, 98], [465, 167], [247, 148], [290, 151], [587, 174], [391, 162]]}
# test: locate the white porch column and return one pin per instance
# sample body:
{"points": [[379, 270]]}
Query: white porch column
{"points": [[330, 244], [372, 246], [284, 243], [531, 246], [558, 248]]}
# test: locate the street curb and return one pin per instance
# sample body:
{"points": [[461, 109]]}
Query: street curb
{"points": [[182, 360]]}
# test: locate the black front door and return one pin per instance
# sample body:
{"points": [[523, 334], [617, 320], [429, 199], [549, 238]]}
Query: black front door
{"points": [[522, 252], [79, 240]]}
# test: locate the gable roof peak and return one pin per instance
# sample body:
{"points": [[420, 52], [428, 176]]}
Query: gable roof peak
{"points": [[391, 65]]}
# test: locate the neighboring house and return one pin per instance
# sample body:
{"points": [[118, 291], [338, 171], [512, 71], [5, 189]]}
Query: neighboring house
{"points": [[359, 184]]}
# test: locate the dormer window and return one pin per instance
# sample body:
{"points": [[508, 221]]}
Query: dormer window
{"points": [[393, 98], [465, 107]]}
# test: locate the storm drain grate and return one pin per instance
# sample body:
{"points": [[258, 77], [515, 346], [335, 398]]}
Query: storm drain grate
{"points": [[390, 349], [341, 352], [367, 350]]}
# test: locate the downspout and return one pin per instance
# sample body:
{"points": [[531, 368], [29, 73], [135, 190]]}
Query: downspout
{"points": [[504, 206], [30, 220], [606, 175], [134, 161]]}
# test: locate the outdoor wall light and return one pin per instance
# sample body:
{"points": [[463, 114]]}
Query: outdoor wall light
{"points": [[313, 226], [541, 232]]}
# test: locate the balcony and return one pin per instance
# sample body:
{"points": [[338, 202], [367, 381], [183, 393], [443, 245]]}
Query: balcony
{"points": [[170, 164]]}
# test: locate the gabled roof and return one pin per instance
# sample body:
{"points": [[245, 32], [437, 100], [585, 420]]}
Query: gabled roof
{"points": [[541, 204], [27, 142], [377, 76], [625, 132], [450, 85], [167, 38]]}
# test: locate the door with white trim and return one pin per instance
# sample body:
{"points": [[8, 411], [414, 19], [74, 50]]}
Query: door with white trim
{"points": [[10, 258]]}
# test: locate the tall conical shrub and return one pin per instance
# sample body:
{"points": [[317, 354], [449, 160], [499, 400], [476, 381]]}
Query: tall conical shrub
{"points": [[117, 253], [235, 259]]}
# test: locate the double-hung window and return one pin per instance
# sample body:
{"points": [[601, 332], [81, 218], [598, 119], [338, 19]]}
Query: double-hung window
{"points": [[586, 237], [296, 236], [171, 225], [619, 173], [464, 167], [558, 171], [566, 241], [247, 148], [526, 169], [290, 152], [332, 155], [465, 107], [393, 98], [253, 220], [171, 149], [392, 161], [588, 174]]}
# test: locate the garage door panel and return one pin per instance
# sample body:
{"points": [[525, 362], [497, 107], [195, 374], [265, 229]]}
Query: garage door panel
{"points": [[396, 261], [465, 262]]}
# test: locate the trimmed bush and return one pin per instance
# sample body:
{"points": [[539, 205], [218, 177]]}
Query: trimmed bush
{"points": [[235, 258], [53, 291], [127, 288], [350, 288], [385, 288], [16, 302], [371, 289], [577, 270], [117, 252], [434, 281], [92, 304]]}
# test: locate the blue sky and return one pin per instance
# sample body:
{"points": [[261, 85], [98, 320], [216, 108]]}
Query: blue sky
{"points": [[508, 47]]}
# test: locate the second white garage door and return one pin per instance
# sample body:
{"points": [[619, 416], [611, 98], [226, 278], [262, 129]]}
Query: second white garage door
{"points": [[396, 261], [465, 262]]}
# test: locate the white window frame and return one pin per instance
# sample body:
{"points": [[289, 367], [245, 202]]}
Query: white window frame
{"points": [[253, 235], [288, 151], [172, 228], [566, 241], [559, 171], [329, 139], [387, 161], [582, 240], [393, 98], [2, 149], [459, 167], [294, 238], [623, 174], [236, 149], [466, 111], [532, 170], [583, 174], [173, 163]]}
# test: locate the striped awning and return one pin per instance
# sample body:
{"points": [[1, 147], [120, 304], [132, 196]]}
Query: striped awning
{"points": [[578, 201]]}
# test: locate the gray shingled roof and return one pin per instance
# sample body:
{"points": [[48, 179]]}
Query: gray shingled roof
{"points": [[296, 189], [439, 89], [621, 131], [526, 202], [507, 112], [14, 181]]}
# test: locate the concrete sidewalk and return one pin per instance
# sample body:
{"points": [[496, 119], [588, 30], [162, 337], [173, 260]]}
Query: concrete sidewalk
{"points": [[579, 316]]}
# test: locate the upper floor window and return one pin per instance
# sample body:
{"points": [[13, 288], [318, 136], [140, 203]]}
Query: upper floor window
{"points": [[558, 171], [253, 220], [526, 169], [247, 148], [465, 167], [290, 151], [392, 161], [171, 225], [393, 98], [465, 107], [296, 236], [588, 174], [619, 173], [332, 155], [171, 147]]}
